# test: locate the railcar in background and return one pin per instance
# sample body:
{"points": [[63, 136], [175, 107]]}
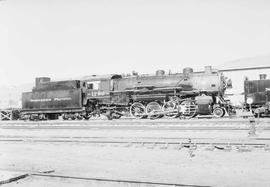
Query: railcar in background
{"points": [[257, 96]]}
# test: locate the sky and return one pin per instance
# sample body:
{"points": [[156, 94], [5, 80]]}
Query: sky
{"points": [[68, 38]]}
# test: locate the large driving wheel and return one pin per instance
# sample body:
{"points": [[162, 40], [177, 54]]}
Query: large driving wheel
{"points": [[137, 110], [187, 109], [170, 106], [152, 108]]}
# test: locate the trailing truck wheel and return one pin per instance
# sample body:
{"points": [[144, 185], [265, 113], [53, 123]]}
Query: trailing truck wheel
{"points": [[187, 109], [137, 110], [152, 108], [87, 117], [218, 112], [170, 106], [109, 115], [116, 116], [112, 115]]}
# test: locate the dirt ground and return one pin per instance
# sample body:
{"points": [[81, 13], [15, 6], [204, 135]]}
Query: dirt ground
{"points": [[127, 133], [133, 162], [212, 168]]}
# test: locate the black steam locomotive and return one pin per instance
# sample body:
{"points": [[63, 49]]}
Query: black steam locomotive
{"points": [[182, 95], [257, 96]]}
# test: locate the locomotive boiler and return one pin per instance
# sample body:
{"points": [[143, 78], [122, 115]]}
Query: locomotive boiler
{"points": [[257, 95]]}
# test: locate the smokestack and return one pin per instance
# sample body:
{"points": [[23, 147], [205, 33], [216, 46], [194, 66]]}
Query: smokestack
{"points": [[160, 72], [187, 71], [208, 69], [262, 76]]}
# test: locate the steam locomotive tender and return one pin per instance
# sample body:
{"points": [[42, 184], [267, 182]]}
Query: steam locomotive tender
{"points": [[49, 100], [173, 95], [257, 96]]}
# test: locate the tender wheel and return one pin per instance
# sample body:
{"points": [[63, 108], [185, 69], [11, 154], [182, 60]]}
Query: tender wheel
{"points": [[170, 106], [187, 109], [31, 118], [79, 117], [137, 110], [152, 108], [218, 112], [65, 117]]}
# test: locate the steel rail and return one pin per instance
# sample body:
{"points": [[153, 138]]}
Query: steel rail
{"points": [[184, 143], [137, 127], [28, 173], [131, 121], [117, 180], [127, 138]]}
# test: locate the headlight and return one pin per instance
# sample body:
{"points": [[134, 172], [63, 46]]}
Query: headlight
{"points": [[249, 100]]}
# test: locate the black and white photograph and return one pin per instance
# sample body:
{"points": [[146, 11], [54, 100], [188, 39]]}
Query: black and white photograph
{"points": [[134, 93]]}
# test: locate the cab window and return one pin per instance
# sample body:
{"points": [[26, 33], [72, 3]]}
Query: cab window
{"points": [[90, 86], [93, 85]]}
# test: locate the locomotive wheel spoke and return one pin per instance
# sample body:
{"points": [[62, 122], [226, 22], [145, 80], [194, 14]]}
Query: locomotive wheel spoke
{"points": [[137, 110], [170, 106], [152, 108], [188, 109]]}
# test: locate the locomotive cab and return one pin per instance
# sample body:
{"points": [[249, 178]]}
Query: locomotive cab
{"points": [[100, 87]]}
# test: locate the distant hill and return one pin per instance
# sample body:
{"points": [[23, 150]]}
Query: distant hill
{"points": [[251, 62], [10, 96]]}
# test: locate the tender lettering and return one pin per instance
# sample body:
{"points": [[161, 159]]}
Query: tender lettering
{"points": [[62, 99], [40, 100], [53, 99]]}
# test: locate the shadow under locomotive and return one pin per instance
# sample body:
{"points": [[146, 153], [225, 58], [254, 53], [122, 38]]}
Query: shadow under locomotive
{"points": [[183, 95]]}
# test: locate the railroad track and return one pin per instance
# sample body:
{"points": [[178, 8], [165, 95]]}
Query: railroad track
{"points": [[137, 121], [152, 143], [119, 181], [135, 126], [144, 124], [48, 174], [208, 127]]}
